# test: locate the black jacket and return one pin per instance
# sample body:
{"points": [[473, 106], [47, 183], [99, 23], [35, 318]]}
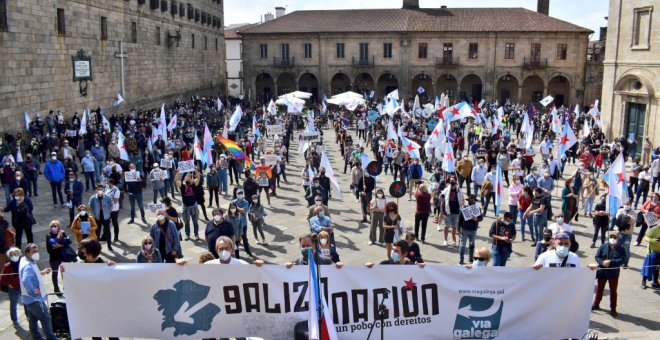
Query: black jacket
{"points": [[213, 232], [617, 257]]}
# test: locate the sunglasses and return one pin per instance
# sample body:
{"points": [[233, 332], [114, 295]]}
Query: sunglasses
{"points": [[148, 243], [479, 258]]}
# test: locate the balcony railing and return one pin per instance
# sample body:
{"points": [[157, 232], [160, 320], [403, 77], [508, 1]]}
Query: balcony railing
{"points": [[364, 62], [446, 62], [535, 63], [284, 62]]}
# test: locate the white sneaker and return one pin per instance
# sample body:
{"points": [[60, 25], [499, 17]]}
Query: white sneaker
{"points": [[370, 243], [444, 243], [438, 228]]}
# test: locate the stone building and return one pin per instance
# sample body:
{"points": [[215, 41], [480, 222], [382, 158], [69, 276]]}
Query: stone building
{"points": [[172, 47], [470, 53], [234, 46], [631, 85]]}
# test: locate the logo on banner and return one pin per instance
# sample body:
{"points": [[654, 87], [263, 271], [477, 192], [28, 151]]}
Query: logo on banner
{"points": [[185, 309], [478, 318]]}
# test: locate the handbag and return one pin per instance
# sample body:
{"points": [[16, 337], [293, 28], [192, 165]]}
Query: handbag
{"points": [[68, 254]]}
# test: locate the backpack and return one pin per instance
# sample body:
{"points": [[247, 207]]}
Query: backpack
{"points": [[622, 222]]}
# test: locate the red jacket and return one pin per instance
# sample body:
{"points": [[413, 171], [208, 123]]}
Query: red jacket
{"points": [[9, 277]]}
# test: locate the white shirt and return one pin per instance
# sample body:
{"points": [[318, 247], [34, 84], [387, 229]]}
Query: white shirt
{"points": [[379, 202], [232, 261], [114, 193], [516, 163], [550, 259], [655, 167], [645, 175], [546, 147]]}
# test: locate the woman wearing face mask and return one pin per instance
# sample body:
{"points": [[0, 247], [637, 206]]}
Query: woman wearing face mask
{"points": [[84, 225], [148, 253], [325, 248], [591, 191], [10, 283], [391, 223], [481, 258], [21, 216], [166, 238], [256, 214], [397, 255], [234, 218], [59, 250], [74, 190], [515, 191], [610, 257], [377, 208]]}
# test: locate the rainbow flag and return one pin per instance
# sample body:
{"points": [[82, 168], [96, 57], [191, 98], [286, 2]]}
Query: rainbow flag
{"points": [[236, 151]]}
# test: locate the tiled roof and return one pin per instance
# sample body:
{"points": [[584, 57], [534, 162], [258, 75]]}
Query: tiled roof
{"points": [[233, 32], [416, 20]]}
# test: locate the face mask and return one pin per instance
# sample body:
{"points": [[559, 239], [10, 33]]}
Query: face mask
{"points": [[233, 210], [71, 179], [53, 158], [626, 207], [161, 217], [304, 251], [188, 182], [147, 246], [613, 241], [35, 257], [561, 251], [380, 195], [53, 230], [18, 178], [547, 238], [395, 256], [99, 192], [224, 255], [14, 258], [83, 213], [217, 218], [318, 202], [321, 214], [81, 256], [18, 198], [255, 200], [478, 263], [517, 181], [324, 241], [240, 196]]}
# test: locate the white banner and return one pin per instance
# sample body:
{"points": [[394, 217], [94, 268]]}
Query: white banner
{"points": [[311, 137], [271, 159], [276, 129], [186, 166], [166, 163], [436, 302]]}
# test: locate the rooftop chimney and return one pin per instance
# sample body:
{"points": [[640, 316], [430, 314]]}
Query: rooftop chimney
{"points": [[280, 11], [543, 6], [268, 17], [411, 4]]}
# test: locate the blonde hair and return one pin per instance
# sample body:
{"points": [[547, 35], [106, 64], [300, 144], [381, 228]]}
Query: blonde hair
{"points": [[13, 250], [145, 239], [485, 252], [205, 257]]}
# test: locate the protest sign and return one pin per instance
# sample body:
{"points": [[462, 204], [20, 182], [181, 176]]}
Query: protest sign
{"points": [[166, 163], [398, 189], [374, 168], [186, 166], [311, 137], [210, 301], [275, 129], [649, 218], [71, 133], [271, 159], [470, 211], [132, 176], [262, 181], [155, 207]]}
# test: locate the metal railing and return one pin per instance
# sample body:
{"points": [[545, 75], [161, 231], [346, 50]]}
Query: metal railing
{"points": [[284, 62], [446, 62], [364, 61], [535, 62]]}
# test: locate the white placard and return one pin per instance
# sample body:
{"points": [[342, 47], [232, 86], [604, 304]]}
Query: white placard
{"points": [[649, 218], [262, 181], [275, 129], [71, 133], [186, 166], [271, 159], [155, 207], [132, 176], [166, 163], [311, 137], [214, 300], [82, 69], [470, 211]]}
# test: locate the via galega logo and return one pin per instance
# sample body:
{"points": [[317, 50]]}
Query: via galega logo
{"points": [[478, 318]]}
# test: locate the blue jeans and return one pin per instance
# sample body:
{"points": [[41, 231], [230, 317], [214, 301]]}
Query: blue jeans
{"points": [[162, 192], [465, 236], [98, 170], [222, 178], [131, 199], [37, 312], [500, 255], [8, 192], [540, 222], [14, 295], [89, 180], [529, 220], [641, 192], [188, 213], [624, 240], [513, 209]]}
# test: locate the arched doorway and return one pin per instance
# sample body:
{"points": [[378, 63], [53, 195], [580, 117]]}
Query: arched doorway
{"points": [[340, 83], [560, 88], [308, 83], [532, 90], [507, 88], [286, 83], [387, 83], [364, 83], [423, 82], [471, 87], [447, 84], [264, 87]]}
